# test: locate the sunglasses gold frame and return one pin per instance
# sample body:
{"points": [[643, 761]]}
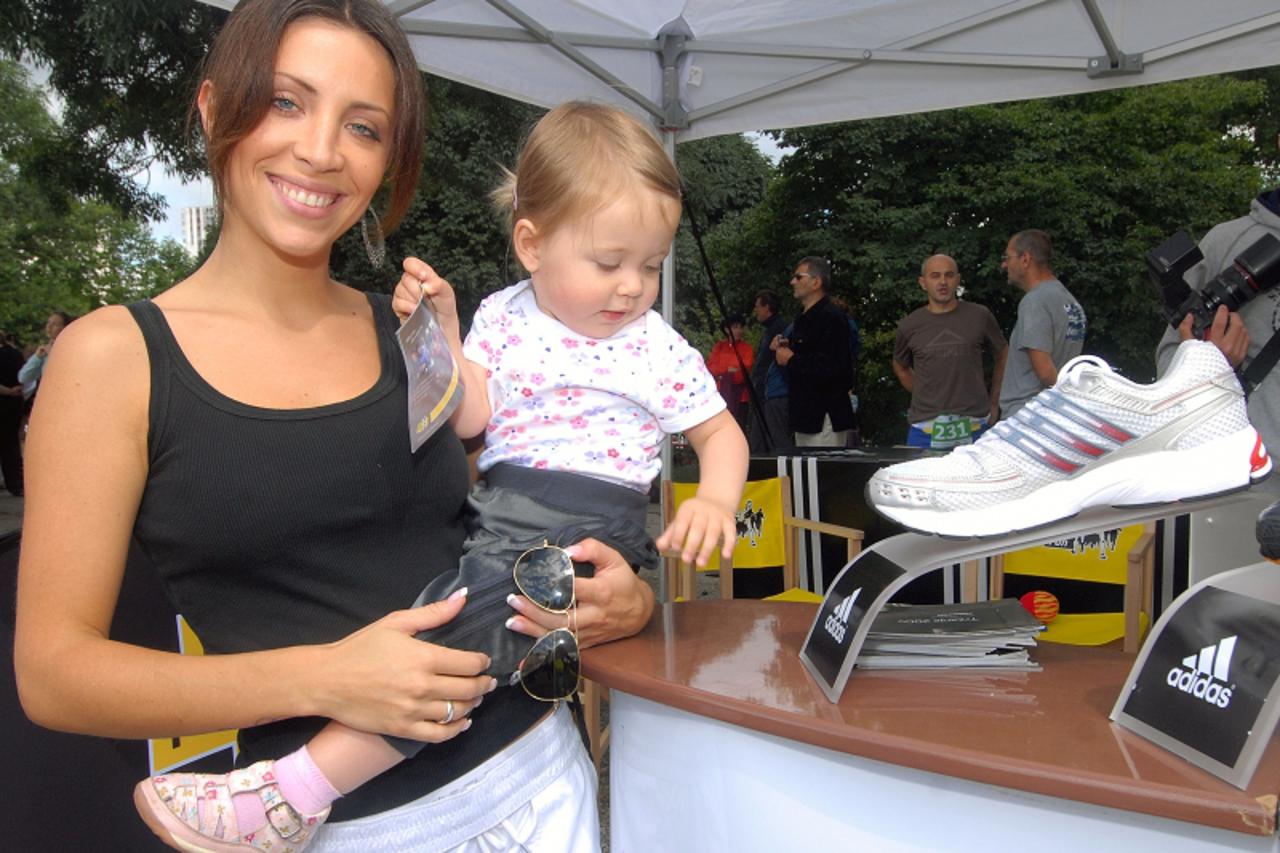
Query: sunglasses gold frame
{"points": [[552, 636]]}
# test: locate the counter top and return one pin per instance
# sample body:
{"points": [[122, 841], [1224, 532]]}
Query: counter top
{"points": [[1046, 732]]}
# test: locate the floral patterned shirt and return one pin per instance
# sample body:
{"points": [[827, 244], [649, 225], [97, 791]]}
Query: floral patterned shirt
{"points": [[597, 407]]}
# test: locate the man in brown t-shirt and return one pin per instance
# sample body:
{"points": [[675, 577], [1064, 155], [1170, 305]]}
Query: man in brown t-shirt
{"points": [[937, 356]]}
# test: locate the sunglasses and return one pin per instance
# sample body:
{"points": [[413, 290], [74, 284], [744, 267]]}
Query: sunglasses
{"points": [[552, 668]]}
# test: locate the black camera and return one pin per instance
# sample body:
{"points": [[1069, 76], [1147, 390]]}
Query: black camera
{"points": [[1254, 271]]}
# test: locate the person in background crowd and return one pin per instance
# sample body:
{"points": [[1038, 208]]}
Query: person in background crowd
{"points": [[938, 358], [11, 413], [31, 371], [772, 433], [853, 438], [1051, 324], [816, 355], [727, 362]]}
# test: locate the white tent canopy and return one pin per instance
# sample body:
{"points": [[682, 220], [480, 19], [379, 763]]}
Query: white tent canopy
{"points": [[707, 67]]}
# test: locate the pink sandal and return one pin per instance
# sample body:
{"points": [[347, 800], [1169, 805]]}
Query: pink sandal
{"points": [[193, 812]]}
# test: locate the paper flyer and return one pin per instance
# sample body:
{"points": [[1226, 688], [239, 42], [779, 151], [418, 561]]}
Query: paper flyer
{"points": [[435, 388]]}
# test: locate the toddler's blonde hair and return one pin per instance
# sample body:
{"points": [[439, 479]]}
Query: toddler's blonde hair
{"points": [[578, 158]]}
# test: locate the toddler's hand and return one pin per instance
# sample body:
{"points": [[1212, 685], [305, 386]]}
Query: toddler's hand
{"points": [[419, 280], [698, 527]]}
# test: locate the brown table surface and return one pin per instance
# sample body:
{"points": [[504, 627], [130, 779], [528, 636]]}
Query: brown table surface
{"points": [[1045, 732]]}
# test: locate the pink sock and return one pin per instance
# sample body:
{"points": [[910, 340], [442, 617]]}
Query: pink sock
{"points": [[303, 784]]}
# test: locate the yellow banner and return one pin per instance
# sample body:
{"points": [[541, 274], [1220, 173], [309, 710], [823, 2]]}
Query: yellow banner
{"points": [[1097, 557], [761, 539], [170, 753]]}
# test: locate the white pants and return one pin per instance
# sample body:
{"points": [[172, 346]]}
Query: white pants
{"points": [[827, 438], [538, 794]]}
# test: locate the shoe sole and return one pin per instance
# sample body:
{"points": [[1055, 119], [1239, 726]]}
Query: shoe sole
{"points": [[1148, 480], [156, 815]]}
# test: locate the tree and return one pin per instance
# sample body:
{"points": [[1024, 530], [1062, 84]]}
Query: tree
{"points": [[124, 72], [1108, 175], [725, 177], [59, 251]]}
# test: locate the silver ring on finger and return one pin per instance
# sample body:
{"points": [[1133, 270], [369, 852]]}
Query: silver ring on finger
{"points": [[448, 714]]}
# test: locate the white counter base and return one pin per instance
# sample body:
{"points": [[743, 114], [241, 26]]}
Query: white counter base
{"points": [[683, 782]]}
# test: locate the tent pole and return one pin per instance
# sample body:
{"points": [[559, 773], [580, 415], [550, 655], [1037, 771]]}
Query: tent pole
{"points": [[668, 137]]}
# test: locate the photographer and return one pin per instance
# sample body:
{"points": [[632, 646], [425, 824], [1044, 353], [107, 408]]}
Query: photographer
{"points": [[1240, 336]]}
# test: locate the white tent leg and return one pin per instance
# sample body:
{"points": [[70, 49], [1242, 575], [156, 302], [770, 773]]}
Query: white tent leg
{"points": [[668, 304]]}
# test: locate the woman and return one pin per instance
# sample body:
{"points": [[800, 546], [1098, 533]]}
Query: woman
{"points": [[247, 429]]}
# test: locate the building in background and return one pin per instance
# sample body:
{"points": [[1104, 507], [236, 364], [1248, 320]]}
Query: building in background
{"points": [[196, 222]]}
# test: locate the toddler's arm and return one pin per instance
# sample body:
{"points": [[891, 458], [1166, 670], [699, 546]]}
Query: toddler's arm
{"points": [[419, 278], [708, 516]]}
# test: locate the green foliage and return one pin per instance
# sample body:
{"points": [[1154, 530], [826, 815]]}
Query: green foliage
{"points": [[124, 71], [725, 177], [59, 251], [1108, 175]]}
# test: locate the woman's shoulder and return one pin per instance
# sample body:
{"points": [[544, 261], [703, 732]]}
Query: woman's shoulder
{"points": [[100, 364], [105, 336]]}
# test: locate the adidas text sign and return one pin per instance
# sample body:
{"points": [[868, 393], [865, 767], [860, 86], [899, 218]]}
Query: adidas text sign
{"points": [[1207, 673], [838, 622]]}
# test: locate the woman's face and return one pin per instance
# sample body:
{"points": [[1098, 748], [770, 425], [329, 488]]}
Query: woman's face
{"points": [[308, 171], [54, 326]]}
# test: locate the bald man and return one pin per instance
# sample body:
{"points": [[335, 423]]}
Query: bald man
{"points": [[937, 356]]}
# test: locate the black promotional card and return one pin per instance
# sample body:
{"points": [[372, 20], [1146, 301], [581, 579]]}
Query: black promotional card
{"points": [[831, 639], [1209, 672]]}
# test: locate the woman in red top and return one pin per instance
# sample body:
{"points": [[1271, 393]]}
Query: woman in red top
{"points": [[731, 370]]}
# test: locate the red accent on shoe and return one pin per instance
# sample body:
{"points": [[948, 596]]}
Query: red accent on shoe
{"points": [[1258, 459]]}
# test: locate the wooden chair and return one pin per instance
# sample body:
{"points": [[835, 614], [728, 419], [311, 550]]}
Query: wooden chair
{"points": [[1139, 575], [782, 524]]}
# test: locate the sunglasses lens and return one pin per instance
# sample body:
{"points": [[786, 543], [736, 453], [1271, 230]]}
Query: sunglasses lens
{"points": [[545, 577], [550, 670]]}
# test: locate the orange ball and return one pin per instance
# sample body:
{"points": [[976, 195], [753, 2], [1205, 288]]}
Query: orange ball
{"points": [[1040, 604]]}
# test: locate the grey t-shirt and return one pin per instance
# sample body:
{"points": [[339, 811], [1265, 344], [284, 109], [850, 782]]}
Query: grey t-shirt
{"points": [[1051, 320], [944, 352]]}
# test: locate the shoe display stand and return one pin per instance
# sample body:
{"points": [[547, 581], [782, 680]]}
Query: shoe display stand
{"points": [[869, 581], [1206, 684]]}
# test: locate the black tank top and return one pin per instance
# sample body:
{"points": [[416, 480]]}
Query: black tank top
{"points": [[275, 527]]}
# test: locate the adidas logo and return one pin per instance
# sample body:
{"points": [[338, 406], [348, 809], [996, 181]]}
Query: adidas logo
{"points": [[1207, 674], [838, 622]]}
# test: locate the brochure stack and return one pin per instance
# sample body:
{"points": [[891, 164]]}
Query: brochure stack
{"points": [[986, 634]]}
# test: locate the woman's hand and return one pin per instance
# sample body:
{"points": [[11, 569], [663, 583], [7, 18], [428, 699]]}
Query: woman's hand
{"points": [[612, 605], [381, 679]]}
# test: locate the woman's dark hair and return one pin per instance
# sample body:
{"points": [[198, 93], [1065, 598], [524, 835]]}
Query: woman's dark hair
{"points": [[241, 68]]}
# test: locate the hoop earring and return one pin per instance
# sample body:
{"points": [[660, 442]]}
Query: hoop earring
{"points": [[375, 245]]}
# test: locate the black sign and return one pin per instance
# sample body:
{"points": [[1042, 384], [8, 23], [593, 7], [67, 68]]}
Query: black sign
{"points": [[1209, 671], [843, 610]]}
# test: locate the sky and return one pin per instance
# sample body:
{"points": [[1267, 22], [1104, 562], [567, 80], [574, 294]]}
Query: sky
{"points": [[177, 195]]}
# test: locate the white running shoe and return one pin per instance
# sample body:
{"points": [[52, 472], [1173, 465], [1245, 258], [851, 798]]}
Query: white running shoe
{"points": [[1093, 439]]}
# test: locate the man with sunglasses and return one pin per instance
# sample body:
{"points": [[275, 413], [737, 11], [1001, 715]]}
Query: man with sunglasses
{"points": [[817, 358], [1051, 324]]}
